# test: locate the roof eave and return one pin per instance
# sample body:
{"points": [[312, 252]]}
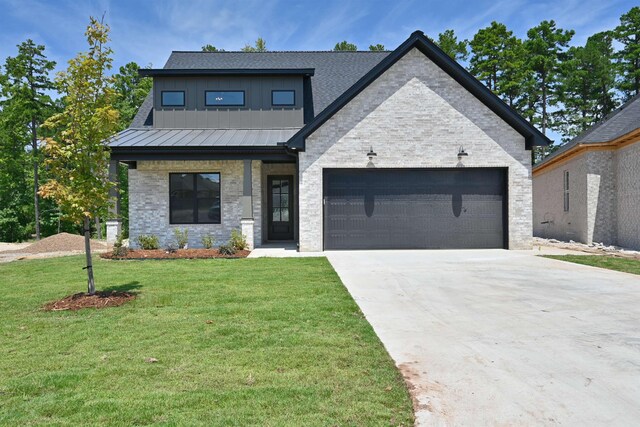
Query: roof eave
{"points": [[154, 72]]}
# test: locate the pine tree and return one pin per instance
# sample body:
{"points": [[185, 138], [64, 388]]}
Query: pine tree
{"points": [[449, 43], [628, 34], [259, 46], [345, 46]]}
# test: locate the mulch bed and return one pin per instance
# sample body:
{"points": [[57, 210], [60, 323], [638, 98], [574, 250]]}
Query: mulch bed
{"points": [[178, 254], [84, 300]]}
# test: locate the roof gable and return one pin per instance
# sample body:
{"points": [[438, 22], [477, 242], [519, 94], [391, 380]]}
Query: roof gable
{"points": [[533, 137]]}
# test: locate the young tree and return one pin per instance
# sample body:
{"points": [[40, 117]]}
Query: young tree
{"points": [[628, 34], [345, 46], [545, 47], [76, 156], [376, 47], [448, 42], [131, 91], [587, 82], [260, 46], [27, 104]]}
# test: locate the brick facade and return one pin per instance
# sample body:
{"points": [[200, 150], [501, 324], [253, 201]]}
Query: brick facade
{"points": [[415, 115]]}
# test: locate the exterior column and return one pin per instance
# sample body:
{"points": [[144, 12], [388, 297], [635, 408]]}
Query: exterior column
{"points": [[114, 221], [247, 221]]}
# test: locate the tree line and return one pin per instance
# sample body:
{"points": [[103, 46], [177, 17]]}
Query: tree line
{"points": [[553, 84]]}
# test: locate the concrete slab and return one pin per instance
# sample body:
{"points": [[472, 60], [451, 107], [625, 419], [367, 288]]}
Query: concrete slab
{"points": [[497, 337], [280, 250]]}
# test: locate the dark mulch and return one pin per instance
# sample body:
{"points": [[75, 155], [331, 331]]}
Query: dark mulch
{"points": [[84, 300], [178, 254]]}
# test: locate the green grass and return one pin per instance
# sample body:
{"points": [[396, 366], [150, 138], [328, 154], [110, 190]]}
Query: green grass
{"points": [[286, 345], [626, 265]]}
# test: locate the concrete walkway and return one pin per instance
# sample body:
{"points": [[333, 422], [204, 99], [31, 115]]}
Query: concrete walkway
{"points": [[495, 337]]}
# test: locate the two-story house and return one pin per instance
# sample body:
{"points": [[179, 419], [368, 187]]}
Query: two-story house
{"points": [[332, 150]]}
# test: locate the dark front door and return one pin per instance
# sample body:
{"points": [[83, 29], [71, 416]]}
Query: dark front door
{"points": [[280, 205], [414, 209]]}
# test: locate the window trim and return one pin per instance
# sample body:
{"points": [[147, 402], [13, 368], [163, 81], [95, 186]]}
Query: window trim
{"points": [[184, 98], [244, 99], [565, 190], [273, 104], [195, 198]]}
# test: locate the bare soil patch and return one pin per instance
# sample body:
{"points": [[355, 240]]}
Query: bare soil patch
{"points": [[178, 254], [63, 242], [84, 300]]}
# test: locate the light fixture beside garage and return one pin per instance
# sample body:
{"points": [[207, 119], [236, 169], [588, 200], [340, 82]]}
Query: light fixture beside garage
{"points": [[462, 153], [371, 154]]}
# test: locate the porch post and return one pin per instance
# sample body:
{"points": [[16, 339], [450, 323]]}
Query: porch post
{"points": [[114, 221], [247, 220]]}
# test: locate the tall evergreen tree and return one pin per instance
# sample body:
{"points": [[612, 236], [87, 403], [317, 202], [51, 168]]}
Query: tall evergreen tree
{"points": [[628, 34], [345, 46], [587, 83], [27, 104], [489, 48], [131, 90], [449, 43], [211, 48], [376, 47], [259, 46], [545, 49]]}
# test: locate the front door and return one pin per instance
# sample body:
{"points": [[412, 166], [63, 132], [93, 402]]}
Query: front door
{"points": [[280, 205]]}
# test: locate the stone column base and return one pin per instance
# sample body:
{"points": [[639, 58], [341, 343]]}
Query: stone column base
{"points": [[246, 227], [114, 228]]}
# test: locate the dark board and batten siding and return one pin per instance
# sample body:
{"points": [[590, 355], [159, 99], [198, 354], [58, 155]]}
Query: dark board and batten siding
{"points": [[415, 208], [257, 113]]}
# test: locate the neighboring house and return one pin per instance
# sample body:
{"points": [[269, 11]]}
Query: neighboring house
{"points": [[332, 150], [589, 190]]}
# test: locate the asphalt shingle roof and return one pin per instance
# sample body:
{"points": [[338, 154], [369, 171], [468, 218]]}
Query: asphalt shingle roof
{"points": [[335, 72]]}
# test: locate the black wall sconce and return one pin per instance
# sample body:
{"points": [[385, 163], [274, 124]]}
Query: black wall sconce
{"points": [[371, 154], [462, 153]]}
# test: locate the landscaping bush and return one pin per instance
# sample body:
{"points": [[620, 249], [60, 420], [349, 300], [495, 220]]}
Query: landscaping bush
{"points": [[182, 237], [119, 250], [227, 249], [148, 241], [238, 240], [207, 242]]}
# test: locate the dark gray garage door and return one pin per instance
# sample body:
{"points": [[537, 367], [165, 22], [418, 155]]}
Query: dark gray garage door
{"points": [[414, 208]]}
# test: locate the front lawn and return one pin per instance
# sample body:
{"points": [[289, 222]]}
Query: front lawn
{"points": [[627, 265], [267, 342]]}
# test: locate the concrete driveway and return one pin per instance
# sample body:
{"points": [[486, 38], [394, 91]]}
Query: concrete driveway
{"points": [[498, 337]]}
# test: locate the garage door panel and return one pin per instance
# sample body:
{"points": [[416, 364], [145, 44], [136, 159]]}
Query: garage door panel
{"points": [[405, 209]]}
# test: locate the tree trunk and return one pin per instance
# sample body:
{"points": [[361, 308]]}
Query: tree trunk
{"points": [[544, 106], [36, 198], [91, 286]]}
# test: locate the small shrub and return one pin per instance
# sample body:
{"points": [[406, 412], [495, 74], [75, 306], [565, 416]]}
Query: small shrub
{"points": [[227, 249], [207, 242], [171, 248], [238, 240], [148, 241], [182, 237], [119, 250]]}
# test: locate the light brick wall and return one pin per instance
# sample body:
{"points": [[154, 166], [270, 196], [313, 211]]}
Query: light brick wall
{"points": [[628, 192], [149, 200], [601, 197], [548, 203], [415, 115]]}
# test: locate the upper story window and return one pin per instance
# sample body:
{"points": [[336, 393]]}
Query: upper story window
{"points": [[173, 98], [229, 98], [566, 191], [283, 97]]}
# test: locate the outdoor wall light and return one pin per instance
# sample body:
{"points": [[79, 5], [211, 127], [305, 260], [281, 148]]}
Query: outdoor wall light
{"points": [[462, 153], [371, 154]]}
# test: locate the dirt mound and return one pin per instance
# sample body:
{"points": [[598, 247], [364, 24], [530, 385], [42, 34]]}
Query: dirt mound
{"points": [[62, 242], [83, 300]]}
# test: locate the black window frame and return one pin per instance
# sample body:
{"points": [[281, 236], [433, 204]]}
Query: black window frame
{"points": [[283, 105], [195, 198], [244, 99], [565, 189], [184, 98]]}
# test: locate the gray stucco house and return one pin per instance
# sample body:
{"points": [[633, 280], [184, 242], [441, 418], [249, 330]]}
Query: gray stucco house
{"points": [[331, 150], [589, 190]]}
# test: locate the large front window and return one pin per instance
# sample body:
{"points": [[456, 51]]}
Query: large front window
{"points": [[194, 198]]}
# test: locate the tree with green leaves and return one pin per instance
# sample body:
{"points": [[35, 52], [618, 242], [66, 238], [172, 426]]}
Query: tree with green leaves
{"points": [[345, 46], [76, 155], [587, 85], [628, 35], [376, 47], [490, 48], [131, 91], [259, 46], [545, 49], [27, 105], [211, 48], [449, 43]]}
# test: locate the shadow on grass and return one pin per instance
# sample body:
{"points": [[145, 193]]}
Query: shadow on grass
{"points": [[131, 287]]}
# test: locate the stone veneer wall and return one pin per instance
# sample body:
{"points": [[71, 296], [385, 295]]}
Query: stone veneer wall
{"points": [[149, 200], [548, 202], [415, 115], [628, 196]]}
